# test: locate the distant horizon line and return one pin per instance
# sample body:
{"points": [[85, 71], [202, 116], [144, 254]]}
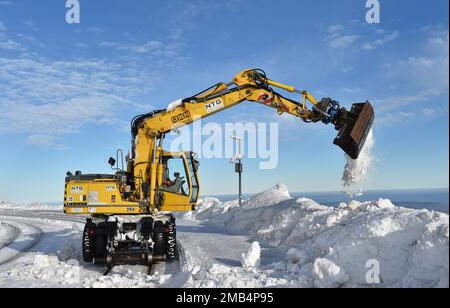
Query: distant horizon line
{"points": [[293, 192], [338, 191]]}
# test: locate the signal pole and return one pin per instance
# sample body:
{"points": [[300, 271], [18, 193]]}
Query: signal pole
{"points": [[237, 159]]}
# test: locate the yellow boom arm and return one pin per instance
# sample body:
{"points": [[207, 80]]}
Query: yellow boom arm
{"points": [[248, 85]]}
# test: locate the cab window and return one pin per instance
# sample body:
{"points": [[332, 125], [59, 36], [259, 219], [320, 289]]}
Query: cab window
{"points": [[175, 179]]}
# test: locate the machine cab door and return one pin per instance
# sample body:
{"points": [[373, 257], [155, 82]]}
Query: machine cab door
{"points": [[179, 182]]}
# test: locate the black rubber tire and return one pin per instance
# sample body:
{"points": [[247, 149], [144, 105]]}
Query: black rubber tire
{"points": [[159, 239], [172, 254], [88, 244], [100, 242]]}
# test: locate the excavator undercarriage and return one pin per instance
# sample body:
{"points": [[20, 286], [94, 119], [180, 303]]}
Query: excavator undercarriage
{"points": [[110, 241]]}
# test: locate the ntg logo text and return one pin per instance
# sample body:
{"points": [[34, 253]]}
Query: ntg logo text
{"points": [[73, 13]]}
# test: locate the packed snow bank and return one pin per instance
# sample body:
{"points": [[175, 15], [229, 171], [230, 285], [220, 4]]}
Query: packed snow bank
{"points": [[7, 234], [208, 208], [333, 247], [269, 197], [50, 271], [328, 274], [32, 206], [356, 171], [56, 261]]}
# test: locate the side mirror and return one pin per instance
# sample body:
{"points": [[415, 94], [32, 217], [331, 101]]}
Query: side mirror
{"points": [[176, 174], [112, 162]]}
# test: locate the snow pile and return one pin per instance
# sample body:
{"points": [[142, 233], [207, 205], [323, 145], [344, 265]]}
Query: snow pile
{"points": [[253, 257], [209, 208], [356, 171], [36, 206], [328, 274], [221, 276], [269, 197], [3, 228], [7, 233], [57, 263], [50, 271], [332, 247]]}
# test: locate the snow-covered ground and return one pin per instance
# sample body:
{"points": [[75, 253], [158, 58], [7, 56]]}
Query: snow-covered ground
{"points": [[271, 241], [336, 247], [31, 206], [7, 234]]}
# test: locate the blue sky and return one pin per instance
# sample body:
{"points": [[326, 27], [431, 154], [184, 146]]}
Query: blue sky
{"points": [[67, 92]]}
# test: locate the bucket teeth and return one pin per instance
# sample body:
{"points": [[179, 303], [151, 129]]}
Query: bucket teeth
{"points": [[354, 126]]}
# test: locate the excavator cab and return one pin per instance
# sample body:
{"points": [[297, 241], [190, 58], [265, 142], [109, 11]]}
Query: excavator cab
{"points": [[180, 183]]}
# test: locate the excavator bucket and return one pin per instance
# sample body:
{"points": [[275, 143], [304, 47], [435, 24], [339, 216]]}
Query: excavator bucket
{"points": [[354, 127]]}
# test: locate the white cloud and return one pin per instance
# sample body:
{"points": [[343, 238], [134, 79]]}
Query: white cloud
{"points": [[49, 99], [27, 38], [6, 43], [438, 42], [343, 41], [89, 30], [401, 108], [11, 45], [347, 69], [57, 119], [387, 104], [335, 28], [381, 41], [81, 45], [150, 47], [42, 140], [429, 112], [32, 25], [341, 36], [428, 72], [94, 30], [352, 90], [394, 117], [162, 54], [338, 38]]}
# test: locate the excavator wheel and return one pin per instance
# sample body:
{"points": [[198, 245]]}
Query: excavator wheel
{"points": [[100, 244], [88, 243], [160, 239], [171, 246]]}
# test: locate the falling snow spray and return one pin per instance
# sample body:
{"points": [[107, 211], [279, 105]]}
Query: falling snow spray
{"points": [[356, 171]]}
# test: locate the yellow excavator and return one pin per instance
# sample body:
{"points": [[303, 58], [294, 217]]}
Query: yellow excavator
{"points": [[130, 220]]}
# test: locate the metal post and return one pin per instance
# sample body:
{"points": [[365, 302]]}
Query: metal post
{"points": [[240, 182], [238, 166]]}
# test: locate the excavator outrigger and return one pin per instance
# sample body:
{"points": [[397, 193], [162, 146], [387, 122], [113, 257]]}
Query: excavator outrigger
{"points": [[129, 211]]}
